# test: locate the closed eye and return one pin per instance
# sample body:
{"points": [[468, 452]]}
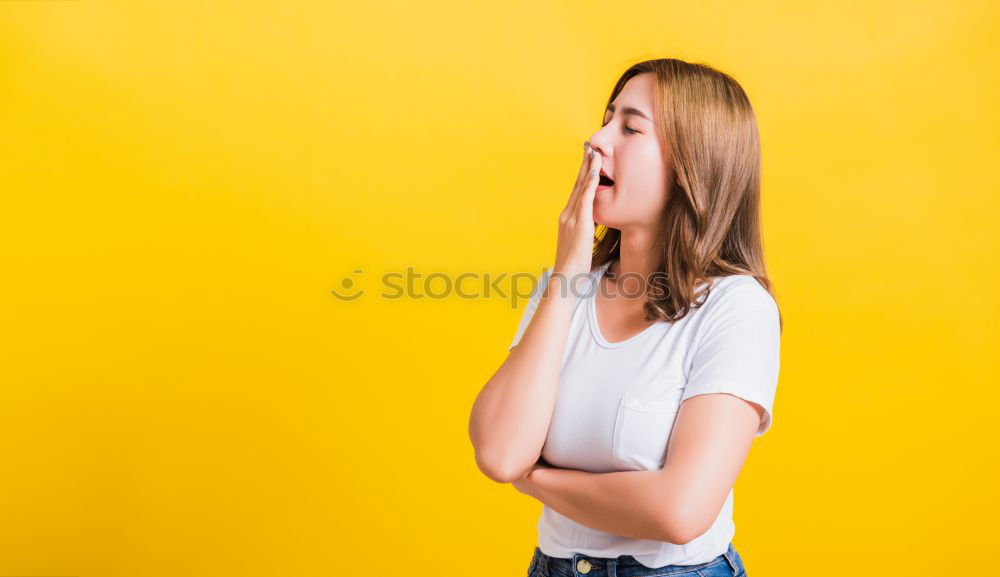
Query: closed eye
{"points": [[626, 129]]}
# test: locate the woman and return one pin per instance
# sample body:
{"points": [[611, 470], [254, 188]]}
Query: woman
{"points": [[646, 362]]}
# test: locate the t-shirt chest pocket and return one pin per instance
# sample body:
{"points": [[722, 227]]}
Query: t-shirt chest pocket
{"points": [[642, 429]]}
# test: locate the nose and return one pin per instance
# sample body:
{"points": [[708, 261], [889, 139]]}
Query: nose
{"points": [[599, 143]]}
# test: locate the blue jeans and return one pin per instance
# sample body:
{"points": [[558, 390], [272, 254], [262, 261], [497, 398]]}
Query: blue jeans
{"points": [[728, 564]]}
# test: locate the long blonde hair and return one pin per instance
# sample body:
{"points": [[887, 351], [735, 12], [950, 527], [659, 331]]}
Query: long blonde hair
{"points": [[711, 223]]}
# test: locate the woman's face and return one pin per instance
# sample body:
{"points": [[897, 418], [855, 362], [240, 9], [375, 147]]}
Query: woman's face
{"points": [[633, 159]]}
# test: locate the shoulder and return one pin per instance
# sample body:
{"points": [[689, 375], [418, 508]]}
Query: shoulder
{"points": [[739, 292]]}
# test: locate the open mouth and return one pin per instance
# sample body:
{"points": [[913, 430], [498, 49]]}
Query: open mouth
{"points": [[605, 181]]}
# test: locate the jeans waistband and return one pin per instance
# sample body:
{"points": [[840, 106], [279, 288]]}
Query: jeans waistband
{"points": [[625, 565]]}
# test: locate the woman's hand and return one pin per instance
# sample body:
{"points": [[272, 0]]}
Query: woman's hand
{"points": [[575, 247]]}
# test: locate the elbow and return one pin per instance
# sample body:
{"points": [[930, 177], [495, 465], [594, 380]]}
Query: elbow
{"points": [[680, 528], [679, 535], [495, 458], [500, 470], [486, 461]]}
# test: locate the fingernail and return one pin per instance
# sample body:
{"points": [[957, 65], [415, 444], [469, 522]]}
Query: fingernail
{"points": [[586, 145]]}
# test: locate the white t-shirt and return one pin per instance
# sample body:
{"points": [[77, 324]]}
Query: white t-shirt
{"points": [[616, 401]]}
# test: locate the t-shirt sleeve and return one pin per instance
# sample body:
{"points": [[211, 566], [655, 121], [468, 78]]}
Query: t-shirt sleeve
{"points": [[738, 351], [529, 309]]}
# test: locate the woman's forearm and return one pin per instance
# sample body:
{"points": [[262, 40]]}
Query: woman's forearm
{"points": [[626, 503], [510, 417]]}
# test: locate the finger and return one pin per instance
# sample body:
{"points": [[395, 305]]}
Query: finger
{"points": [[586, 214], [581, 177], [589, 187], [588, 176]]}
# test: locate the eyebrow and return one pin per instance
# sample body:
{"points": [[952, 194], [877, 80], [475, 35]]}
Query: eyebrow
{"points": [[629, 110]]}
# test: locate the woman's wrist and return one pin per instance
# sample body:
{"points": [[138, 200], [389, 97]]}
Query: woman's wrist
{"points": [[567, 285]]}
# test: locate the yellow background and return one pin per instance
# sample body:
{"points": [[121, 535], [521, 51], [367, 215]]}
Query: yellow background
{"points": [[184, 183]]}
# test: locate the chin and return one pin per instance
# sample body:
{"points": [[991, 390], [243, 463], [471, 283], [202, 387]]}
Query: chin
{"points": [[600, 219], [604, 209], [603, 215]]}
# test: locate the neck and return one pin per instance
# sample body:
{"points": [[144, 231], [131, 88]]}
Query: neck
{"points": [[638, 253]]}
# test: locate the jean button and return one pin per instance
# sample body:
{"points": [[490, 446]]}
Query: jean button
{"points": [[583, 566]]}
